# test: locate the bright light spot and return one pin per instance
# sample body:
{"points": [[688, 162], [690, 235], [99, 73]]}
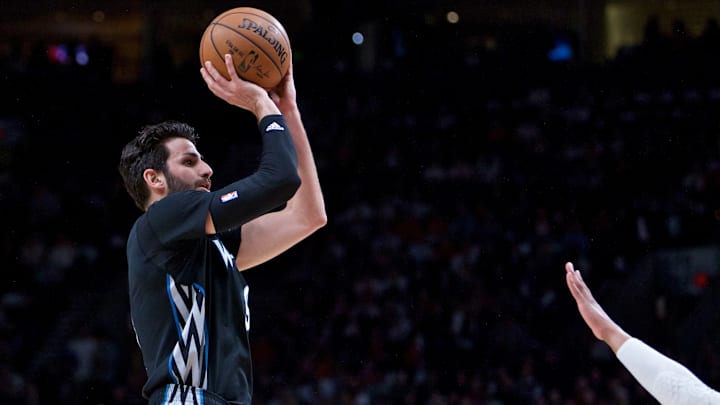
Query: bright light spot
{"points": [[81, 56], [562, 51], [58, 54], [452, 17], [358, 38]]}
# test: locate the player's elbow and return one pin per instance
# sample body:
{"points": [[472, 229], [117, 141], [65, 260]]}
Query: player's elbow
{"points": [[310, 215], [310, 224], [317, 220], [316, 216], [287, 185]]}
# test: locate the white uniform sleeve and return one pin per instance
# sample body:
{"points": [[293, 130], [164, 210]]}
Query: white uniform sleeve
{"points": [[665, 379]]}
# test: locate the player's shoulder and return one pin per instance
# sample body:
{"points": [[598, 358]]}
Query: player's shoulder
{"points": [[179, 216], [179, 205]]}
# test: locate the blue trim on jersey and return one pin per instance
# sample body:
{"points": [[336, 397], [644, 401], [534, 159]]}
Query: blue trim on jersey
{"points": [[207, 336], [172, 305], [170, 370], [194, 394], [168, 285], [200, 288]]}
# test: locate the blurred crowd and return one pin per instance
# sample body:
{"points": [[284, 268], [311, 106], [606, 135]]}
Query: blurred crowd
{"points": [[457, 185]]}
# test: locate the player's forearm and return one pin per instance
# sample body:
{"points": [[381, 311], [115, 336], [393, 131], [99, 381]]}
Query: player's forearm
{"points": [[273, 184], [308, 198]]}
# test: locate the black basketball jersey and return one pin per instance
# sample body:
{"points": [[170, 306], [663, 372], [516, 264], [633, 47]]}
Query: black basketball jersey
{"points": [[188, 301]]}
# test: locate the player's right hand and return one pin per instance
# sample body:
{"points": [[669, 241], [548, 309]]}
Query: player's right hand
{"points": [[236, 91]]}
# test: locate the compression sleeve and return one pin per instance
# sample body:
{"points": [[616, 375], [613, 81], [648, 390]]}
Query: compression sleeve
{"points": [[665, 379], [275, 181]]}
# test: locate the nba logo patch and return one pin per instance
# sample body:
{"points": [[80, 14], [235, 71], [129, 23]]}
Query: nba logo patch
{"points": [[229, 196]]}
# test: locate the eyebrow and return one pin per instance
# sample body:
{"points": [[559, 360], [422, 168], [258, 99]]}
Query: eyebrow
{"points": [[193, 154]]}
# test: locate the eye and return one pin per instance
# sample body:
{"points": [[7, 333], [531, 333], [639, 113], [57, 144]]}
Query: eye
{"points": [[189, 162]]}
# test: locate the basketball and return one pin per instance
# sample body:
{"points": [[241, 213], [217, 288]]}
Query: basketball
{"points": [[258, 43]]}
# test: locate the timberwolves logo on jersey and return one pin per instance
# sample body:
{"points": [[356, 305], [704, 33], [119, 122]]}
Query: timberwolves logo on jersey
{"points": [[227, 257], [188, 363]]}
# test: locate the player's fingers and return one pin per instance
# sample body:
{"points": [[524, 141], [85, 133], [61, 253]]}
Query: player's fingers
{"points": [[213, 85], [274, 96], [211, 71], [230, 67], [206, 75]]}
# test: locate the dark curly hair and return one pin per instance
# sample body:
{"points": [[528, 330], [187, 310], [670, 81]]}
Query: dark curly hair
{"points": [[148, 151]]}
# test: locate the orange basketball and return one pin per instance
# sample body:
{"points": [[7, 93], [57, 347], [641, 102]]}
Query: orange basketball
{"points": [[258, 43]]}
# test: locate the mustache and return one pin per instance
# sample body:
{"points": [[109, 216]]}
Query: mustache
{"points": [[204, 183]]}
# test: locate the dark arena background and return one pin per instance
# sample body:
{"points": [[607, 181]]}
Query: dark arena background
{"points": [[467, 150]]}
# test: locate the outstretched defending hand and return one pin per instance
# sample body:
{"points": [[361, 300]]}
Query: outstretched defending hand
{"points": [[602, 326]]}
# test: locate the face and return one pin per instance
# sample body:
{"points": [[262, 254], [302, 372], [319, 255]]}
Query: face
{"points": [[186, 169]]}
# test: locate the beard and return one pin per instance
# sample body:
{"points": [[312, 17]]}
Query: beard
{"points": [[175, 185]]}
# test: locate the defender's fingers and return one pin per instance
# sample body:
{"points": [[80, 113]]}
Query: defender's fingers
{"points": [[571, 281], [569, 267]]}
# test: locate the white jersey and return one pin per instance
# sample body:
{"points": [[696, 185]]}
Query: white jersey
{"points": [[668, 381]]}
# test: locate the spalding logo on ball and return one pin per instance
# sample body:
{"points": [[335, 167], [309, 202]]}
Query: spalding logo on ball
{"points": [[258, 43]]}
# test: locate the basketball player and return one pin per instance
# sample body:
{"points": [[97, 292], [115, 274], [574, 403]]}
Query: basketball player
{"points": [[665, 379], [188, 299]]}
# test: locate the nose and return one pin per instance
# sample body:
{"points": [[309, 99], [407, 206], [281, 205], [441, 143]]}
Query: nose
{"points": [[206, 170]]}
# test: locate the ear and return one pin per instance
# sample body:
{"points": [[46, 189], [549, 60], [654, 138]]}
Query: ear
{"points": [[154, 180]]}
